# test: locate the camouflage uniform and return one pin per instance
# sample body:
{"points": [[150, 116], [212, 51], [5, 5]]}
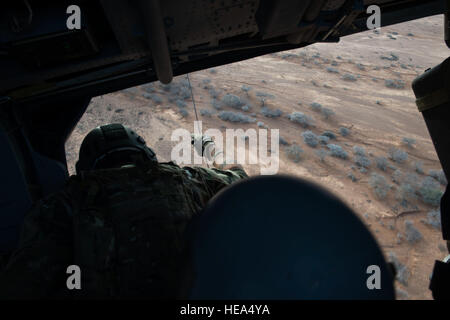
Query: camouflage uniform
{"points": [[123, 227]]}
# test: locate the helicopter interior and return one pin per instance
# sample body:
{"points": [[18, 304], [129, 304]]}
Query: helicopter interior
{"points": [[52, 67]]}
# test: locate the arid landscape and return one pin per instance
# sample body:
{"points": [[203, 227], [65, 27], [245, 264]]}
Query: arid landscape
{"points": [[347, 119]]}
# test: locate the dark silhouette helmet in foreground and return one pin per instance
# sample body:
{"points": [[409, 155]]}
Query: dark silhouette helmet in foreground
{"points": [[112, 146]]}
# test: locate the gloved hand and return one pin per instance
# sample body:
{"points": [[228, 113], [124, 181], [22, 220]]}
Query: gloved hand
{"points": [[203, 145]]}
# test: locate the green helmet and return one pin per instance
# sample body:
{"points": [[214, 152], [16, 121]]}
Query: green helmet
{"points": [[112, 146]]}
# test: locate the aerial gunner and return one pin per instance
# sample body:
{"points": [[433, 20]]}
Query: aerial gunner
{"points": [[120, 219]]}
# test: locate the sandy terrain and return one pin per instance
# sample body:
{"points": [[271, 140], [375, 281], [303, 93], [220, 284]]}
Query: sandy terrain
{"points": [[378, 117]]}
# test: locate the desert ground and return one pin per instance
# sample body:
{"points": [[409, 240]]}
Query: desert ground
{"points": [[378, 157]]}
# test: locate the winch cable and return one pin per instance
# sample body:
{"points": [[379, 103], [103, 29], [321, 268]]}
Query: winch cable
{"points": [[192, 96], [195, 108]]}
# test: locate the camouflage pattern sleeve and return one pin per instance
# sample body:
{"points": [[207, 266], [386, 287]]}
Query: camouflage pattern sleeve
{"points": [[212, 180], [37, 268]]}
